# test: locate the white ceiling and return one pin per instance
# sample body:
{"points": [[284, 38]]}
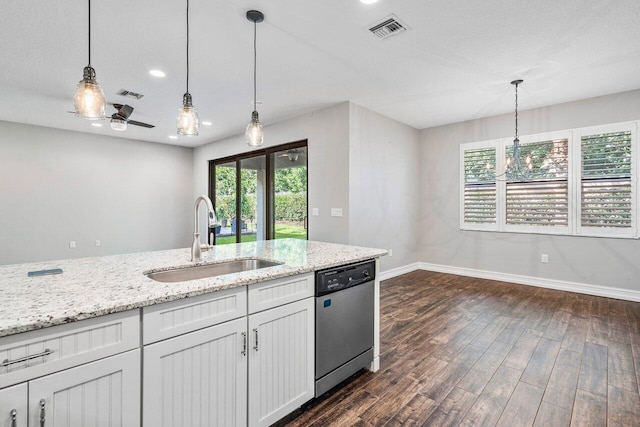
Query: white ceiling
{"points": [[454, 64]]}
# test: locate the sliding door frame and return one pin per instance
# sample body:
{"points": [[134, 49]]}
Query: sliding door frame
{"points": [[269, 171]]}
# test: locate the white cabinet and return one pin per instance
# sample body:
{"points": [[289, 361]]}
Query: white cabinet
{"points": [[102, 393], [13, 406], [197, 379], [281, 361], [81, 374]]}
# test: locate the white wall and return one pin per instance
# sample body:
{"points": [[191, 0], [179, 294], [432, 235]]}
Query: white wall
{"points": [[384, 196], [327, 132], [57, 186], [596, 261]]}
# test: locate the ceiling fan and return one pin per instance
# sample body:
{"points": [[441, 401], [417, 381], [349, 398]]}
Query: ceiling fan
{"points": [[292, 154], [120, 119]]}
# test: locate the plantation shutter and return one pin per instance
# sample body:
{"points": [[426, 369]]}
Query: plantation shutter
{"points": [[606, 189], [479, 186], [539, 197]]}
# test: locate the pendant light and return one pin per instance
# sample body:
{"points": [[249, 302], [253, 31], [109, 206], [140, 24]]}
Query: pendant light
{"points": [[514, 164], [89, 101], [254, 135], [187, 121]]}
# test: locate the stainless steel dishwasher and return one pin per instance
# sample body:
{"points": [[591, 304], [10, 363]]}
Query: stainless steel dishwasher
{"points": [[344, 322]]}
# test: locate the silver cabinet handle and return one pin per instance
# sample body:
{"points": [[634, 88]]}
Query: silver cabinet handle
{"points": [[244, 344], [42, 412], [7, 362], [255, 331], [14, 415]]}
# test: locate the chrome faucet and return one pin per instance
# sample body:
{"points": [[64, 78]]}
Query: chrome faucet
{"points": [[196, 247]]}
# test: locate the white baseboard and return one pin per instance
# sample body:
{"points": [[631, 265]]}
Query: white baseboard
{"points": [[581, 288], [388, 274]]}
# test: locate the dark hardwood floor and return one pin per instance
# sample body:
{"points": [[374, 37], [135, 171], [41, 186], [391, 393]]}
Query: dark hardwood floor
{"points": [[474, 352]]}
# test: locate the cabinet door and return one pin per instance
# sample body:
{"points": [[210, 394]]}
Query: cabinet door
{"points": [[13, 406], [197, 379], [98, 394], [281, 359]]}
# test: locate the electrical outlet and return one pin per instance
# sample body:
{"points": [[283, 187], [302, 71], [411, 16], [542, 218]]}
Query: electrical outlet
{"points": [[97, 243], [390, 252], [314, 212], [336, 211], [72, 244], [544, 258]]}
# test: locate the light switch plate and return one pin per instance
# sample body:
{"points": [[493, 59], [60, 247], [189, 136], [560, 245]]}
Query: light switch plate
{"points": [[314, 211], [336, 211], [72, 244]]}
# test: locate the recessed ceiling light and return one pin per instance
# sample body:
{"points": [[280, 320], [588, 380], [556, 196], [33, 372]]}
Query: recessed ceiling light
{"points": [[157, 73], [207, 123], [368, 1], [97, 125], [173, 137]]}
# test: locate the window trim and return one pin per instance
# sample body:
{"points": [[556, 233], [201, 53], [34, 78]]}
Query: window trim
{"points": [[574, 182]]}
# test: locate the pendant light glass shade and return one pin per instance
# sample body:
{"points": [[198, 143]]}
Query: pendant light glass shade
{"points": [[254, 135], [89, 101], [188, 121]]}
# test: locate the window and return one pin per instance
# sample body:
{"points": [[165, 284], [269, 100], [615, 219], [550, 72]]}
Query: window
{"points": [[479, 193], [607, 185], [583, 183], [541, 200]]}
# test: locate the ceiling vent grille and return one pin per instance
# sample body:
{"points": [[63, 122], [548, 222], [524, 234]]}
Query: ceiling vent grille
{"points": [[387, 27], [129, 94]]}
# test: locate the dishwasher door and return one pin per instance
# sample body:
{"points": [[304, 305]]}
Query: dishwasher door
{"points": [[344, 326]]}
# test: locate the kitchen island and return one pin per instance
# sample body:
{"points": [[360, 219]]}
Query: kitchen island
{"points": [[241, 343]]}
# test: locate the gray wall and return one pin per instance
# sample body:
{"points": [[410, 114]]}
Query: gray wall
{"points": [[327, 132], [384, 186], [597, 261], [57, 186]]}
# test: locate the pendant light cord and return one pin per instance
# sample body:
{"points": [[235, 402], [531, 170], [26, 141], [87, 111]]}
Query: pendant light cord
{"points": [[516, 111], [255, 60], [187, 46], [89, 33]]}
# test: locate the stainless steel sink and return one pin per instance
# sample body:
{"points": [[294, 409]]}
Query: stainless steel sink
{"points": [[209, 270]]}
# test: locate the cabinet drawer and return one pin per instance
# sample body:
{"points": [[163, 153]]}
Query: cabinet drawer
{"points": [[273, 293], [33, 354], [170, 319]]}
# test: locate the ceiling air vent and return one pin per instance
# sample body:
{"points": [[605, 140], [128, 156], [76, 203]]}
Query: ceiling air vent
{"points": [[129, 94], [388, 27]]}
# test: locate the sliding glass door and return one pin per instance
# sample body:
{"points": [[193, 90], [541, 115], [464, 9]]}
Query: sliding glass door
{"points": [[225, 179], [289, 201], [261, 195], [253, 190]]}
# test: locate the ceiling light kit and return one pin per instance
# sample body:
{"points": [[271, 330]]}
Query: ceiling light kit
{"points": [[187, 121], [89, 101], [254, 135], [120, 118]]}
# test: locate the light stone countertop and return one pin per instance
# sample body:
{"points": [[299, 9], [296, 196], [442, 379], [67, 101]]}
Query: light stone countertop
{"points": [[91, 287]]}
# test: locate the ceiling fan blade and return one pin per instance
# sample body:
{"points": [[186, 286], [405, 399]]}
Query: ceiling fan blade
{"points": [[144, 125], [125, 111]]}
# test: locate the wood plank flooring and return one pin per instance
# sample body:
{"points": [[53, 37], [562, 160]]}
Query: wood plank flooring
{"points": [[474, 352]]}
